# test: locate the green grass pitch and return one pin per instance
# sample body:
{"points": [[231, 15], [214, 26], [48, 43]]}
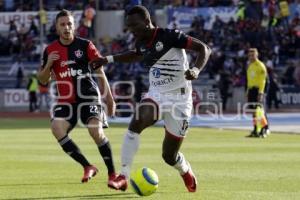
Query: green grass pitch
{"points": [[228, 165]]}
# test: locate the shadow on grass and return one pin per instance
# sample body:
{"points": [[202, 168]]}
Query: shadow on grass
{"points": [[100, 196], [36, 184], [11, 123]]}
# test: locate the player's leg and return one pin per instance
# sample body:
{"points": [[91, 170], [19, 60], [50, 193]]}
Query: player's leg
{"points": [[93, 116], [252, 101], [64, 119], [31, 102], [175, 130], [264, 123], [35, 101], [146, 114], [96, 131]]}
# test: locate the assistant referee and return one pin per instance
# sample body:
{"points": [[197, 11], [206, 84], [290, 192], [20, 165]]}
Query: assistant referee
{"points": [[256, 83]]}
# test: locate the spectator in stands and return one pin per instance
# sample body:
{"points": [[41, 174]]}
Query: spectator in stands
{"points": [[51, 36], [89, 20], [273, 88], [2, 6], [284, 13], [173, 23], [82, 30], [15, 43], [224, 83], [287, 78], [23, 31], [296, 75], [13, 27], [17, 69], [5, 45], [28, 48], [32, 88], [33, 29], [295, 25]]}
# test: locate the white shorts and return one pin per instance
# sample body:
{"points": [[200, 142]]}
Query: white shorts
{"points": [[175, 108]]}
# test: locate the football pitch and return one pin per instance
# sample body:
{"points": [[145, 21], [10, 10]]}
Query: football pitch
{"points": [[228, 165]]}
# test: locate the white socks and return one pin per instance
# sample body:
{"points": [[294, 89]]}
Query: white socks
{"points": [[129, 148], [182, 165]]}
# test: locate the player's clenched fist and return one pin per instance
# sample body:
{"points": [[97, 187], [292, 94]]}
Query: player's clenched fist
{"points": [[192, 74], [53, 56], [98, 62]]}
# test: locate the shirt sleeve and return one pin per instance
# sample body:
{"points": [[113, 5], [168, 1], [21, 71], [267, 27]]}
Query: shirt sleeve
{"points": [[262, 79], [92, 52], [178, 39]]}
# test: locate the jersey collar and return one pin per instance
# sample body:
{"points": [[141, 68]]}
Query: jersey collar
{"points": [[152, 38]]}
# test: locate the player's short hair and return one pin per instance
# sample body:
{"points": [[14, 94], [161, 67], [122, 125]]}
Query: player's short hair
{"points": [[63, 13], [253, 50], [140, 10]]}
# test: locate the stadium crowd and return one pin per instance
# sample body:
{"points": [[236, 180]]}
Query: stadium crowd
{"points": [[31, 5], [277, 38]]}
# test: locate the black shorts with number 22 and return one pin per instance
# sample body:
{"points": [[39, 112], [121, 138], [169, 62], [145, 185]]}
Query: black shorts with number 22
{"points": [[79, 111]]}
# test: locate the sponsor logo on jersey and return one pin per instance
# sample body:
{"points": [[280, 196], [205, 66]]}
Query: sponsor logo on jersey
{"points": [[68, 62], [70, 73], [156, 72], [159, 46], [78, 53], [165, 81]]}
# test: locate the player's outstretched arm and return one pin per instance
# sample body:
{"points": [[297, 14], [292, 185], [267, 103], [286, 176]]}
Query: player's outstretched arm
{"points": [[106, 92], [126, 57], [203, 54]]}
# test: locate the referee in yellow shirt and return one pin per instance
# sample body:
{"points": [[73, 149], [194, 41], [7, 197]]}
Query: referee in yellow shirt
{"points": [[256, 82]]}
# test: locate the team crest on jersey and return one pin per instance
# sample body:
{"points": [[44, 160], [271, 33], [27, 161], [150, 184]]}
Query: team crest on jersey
{"points": [[159, 46], [78, 53], [156, 72]]}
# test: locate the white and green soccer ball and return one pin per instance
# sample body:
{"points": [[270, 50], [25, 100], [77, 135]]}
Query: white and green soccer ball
{"points": [[144, 181]]}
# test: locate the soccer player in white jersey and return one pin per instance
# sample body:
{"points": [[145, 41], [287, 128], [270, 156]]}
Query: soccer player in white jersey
{"points": [[170, 94]]}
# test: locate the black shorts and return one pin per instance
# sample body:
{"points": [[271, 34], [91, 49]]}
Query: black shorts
{"points": [[252, 98], [83, 111]]}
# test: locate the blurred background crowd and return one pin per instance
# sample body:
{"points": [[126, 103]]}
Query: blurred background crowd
{"points": [[264, 24]]}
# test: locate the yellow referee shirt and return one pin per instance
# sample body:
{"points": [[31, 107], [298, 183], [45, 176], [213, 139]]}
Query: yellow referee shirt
{"points": [[256, 76]]}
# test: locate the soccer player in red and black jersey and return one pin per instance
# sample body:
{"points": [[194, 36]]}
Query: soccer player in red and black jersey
{"points": [[67, 60], [170, 93]]}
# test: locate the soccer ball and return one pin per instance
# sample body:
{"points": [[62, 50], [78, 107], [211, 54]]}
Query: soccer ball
{"points": [[144, 181]]}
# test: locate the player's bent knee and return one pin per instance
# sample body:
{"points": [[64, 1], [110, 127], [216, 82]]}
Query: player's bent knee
{"points": [[58, 132], [59, 129]]}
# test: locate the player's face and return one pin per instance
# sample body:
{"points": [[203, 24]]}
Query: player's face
{"points": [[137, 26], [65, 28], [252, 55]]}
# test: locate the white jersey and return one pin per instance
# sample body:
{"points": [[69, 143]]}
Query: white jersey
{"points": [[167, 60]]}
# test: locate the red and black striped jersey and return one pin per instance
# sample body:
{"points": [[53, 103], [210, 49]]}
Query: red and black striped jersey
{"points": [[72, 73]]}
